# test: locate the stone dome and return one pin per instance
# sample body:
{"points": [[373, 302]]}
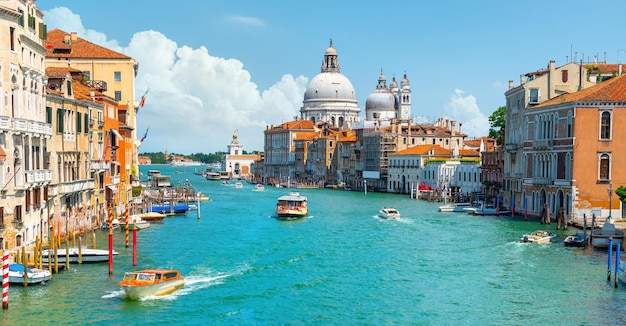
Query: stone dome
{"points": [[380, 99], [330, 86]]}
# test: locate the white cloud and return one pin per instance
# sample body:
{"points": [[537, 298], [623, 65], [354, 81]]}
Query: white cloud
{"points": [[465, 110], [196, 101]]}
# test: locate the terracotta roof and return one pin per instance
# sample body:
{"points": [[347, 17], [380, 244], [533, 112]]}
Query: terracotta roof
{"points": [[306, 136], [297, 124], [423, 150], [57, 47], [612, 90]]}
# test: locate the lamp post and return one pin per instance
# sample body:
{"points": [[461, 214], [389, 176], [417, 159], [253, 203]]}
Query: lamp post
{"points": [[610, 191]]}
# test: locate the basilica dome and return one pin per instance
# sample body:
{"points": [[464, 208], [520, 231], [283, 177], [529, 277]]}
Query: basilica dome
{"points": [[330, 86], [380, 100]]}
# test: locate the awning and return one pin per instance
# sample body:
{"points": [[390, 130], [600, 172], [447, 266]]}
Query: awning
{"points": [[3, 155], [117, 134], [112, 188]]}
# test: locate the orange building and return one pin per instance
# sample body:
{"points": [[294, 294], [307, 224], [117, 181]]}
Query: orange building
{"points": [[573, 151]]}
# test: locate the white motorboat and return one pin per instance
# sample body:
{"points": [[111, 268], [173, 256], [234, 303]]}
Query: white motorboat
{"points": [[388, 213], [600, 237], [454, 207], [87, 255], [136, 221], [238, 184], [259, 187], [538, 237], [35, 275]]}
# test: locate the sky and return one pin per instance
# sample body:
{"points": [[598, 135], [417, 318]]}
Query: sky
{"points": [[214, 68]]}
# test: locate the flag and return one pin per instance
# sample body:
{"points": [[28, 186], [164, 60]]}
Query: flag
{"points": [[143, 98], [145, 134], [106, 145]]}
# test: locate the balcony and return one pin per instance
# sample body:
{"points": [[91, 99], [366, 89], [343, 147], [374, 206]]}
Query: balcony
{"points": [[100, 85], [543, 144], [18, 224], [75, 186], [510, 147], [5, 123], [99, 165], [36, 128], [38, 176]]}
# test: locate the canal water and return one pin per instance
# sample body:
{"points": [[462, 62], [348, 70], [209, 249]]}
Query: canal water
{"points": [[340, 266]]}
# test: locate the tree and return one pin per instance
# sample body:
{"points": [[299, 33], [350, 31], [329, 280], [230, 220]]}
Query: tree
{"points": [[497, 122]]}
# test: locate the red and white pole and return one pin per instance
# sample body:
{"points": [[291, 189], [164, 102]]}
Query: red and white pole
{"points": [[5, 279]]}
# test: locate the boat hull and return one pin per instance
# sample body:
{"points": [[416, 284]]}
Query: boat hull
{"points": [[454, 208], [87, 255], [142, 291], [35, 275]]}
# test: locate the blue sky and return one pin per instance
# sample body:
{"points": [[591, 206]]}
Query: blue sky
{"points": [[214, 67]]}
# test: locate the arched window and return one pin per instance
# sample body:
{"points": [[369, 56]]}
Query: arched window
{"points": [[605, 166], [605, 125]]}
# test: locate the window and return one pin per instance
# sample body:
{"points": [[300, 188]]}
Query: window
{"points": [[118, 95], [534, 95], [79, 122], [48, 114], [605, 125], [12, 38], [20, 20], [117, 76], [605, 167], [59, 120], [69, 88]]}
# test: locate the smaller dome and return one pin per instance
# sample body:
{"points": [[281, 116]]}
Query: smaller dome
{"points": [[331, 51], [405, 81], [380, 100]]}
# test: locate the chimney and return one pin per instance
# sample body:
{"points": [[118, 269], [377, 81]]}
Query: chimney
{"points": [[74, 36], [447, 123], [66, 39], [521, 80], [511, 85], [452, 125], [460, 127]]}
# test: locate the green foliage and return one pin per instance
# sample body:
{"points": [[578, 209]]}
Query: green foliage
{"points": [[137, 191], [497, 122]]}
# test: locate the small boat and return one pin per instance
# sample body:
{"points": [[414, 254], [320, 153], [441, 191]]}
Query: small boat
{"points": [[115, 225], [203, 198], [88, 255], [193, 207], [538, 237], [225, 183], [578, 239], [291, 206], [388, 213], [166, 209], [35, 275], [454, 207], [259, 187], [151, 282], [152, 217], [238, 185], [600, 237], [136, 221], [488, 210]]}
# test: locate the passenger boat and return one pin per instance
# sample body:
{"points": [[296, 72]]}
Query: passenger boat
{"points": [[213, 176], [152, 216], [388, 213], [454, 207], [88, 255], [578, 239], [538, 237], [35, 275], [151, 282], [291, 206], [600, 237]]}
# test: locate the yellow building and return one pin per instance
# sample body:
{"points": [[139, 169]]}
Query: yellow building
{"points": [[114, 74]]}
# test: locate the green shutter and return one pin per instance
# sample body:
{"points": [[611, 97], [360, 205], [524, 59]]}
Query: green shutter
{"points": [[79, 122], [86, 123], [48, 114], [60, 120], [43, 31]]}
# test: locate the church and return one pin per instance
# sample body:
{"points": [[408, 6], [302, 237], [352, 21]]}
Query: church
{"points": [[236, 163]]}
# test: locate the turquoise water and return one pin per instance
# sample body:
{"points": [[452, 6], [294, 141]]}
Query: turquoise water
{"points": [[342, 265]]}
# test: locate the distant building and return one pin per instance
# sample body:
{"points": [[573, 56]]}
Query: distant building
{"points": [[144, 160], [238, 164]]}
